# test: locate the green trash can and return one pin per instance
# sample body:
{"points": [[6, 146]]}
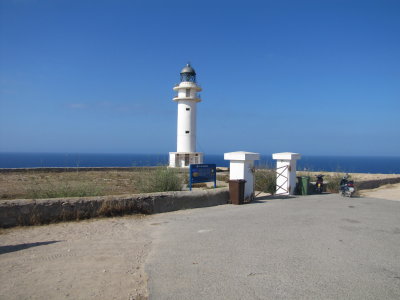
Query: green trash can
{"points": [[305, 183], [297, 189]]}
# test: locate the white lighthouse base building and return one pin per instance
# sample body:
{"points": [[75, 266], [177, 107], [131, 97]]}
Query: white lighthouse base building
{"points": [[184, 159]]}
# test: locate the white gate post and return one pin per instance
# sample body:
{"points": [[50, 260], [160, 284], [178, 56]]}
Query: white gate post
{"points": [[241, 166], [285, 172]]}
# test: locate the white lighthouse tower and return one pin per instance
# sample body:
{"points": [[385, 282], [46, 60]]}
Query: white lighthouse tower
{"points": [[187, 99]]}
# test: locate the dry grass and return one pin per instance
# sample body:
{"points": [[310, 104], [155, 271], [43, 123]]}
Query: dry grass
{"points": [[161, 179], [265, 180], [28, 185], [354, 176], [46, 184]]}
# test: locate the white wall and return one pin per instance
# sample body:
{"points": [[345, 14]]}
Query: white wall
{"points": [[243, 170], [172, 161], [186, 119], [186, 142], [289, 184], [177, 159], [182, 93]]}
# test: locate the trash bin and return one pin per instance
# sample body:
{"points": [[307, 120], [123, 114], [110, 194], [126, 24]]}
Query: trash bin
{"points": [[236, 191], [297, 189], [305, 182]]}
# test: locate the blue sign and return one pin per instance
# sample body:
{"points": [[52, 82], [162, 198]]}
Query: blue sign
{"points": [[202, 173]]}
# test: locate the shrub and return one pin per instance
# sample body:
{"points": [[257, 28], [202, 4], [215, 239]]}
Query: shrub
{"points": [[265, 180], [161, 179], [223, 177], [64, 190], [333, 182]]}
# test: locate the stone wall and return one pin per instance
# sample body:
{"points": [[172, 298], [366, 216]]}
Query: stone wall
{"points": [[373, 184], [32, 212]]}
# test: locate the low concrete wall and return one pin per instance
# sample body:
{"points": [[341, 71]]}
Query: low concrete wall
{"points": [[32, 212], [373, 184]]}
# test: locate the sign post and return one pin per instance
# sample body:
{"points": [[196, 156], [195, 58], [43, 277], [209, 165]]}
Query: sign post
{"points": [[202, 173]]}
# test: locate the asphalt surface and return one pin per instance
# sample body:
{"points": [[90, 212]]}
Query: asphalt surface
{"points": [[310, 247]]}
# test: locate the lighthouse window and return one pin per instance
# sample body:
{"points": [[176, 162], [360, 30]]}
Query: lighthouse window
{"points": [[187, 131], [187, 92], [187, 108]]}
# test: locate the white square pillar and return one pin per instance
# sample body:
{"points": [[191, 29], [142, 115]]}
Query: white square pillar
{"points": [[241, 166], [172, 159], [285, 172]]}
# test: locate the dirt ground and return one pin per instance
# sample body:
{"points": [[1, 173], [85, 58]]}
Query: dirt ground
{"points": [[76, 260], [388, 192], [15, 185]]}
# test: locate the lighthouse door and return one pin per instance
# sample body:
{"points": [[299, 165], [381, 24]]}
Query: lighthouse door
{"points": [[186, 159]]}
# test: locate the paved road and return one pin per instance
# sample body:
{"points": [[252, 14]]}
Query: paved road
{"points": [[97, 259], [312, 247]]}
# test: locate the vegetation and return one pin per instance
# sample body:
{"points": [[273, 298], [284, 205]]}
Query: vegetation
{"points": [[36, 184], [64, 190], [265, 180], [223, 177], [333, 182], [162, 179]]}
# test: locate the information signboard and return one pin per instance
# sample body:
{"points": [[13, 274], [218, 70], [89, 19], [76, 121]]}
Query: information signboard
{"points": [[202, 173]]}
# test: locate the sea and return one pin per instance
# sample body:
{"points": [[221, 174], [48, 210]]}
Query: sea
{"points": [[351, 164]]}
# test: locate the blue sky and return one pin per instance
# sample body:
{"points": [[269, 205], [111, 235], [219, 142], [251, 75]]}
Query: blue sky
{"points": [[315, 77]]}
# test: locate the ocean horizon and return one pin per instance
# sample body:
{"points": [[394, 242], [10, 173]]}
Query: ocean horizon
{"points": [[351, 164]]}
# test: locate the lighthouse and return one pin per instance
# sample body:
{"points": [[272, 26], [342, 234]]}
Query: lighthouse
{"points": [[187, 99]]}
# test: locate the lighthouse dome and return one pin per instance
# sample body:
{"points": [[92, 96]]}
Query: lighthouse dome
{"points": [[188, 74], [188, 70]]}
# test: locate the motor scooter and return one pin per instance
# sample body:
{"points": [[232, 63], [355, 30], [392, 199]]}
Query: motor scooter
{"points": [[346, 187], [319, 185]]}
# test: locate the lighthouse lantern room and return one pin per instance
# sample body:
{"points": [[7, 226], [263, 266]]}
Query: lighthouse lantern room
{"points": [[187, 99]]}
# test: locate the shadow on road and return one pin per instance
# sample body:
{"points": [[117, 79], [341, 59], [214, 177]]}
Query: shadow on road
{"points": [[263, 199], [13, 248]]}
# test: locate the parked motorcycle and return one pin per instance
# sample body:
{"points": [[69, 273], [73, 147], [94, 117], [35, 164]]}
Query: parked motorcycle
{"points": [[319, 185], [346, 187]]}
